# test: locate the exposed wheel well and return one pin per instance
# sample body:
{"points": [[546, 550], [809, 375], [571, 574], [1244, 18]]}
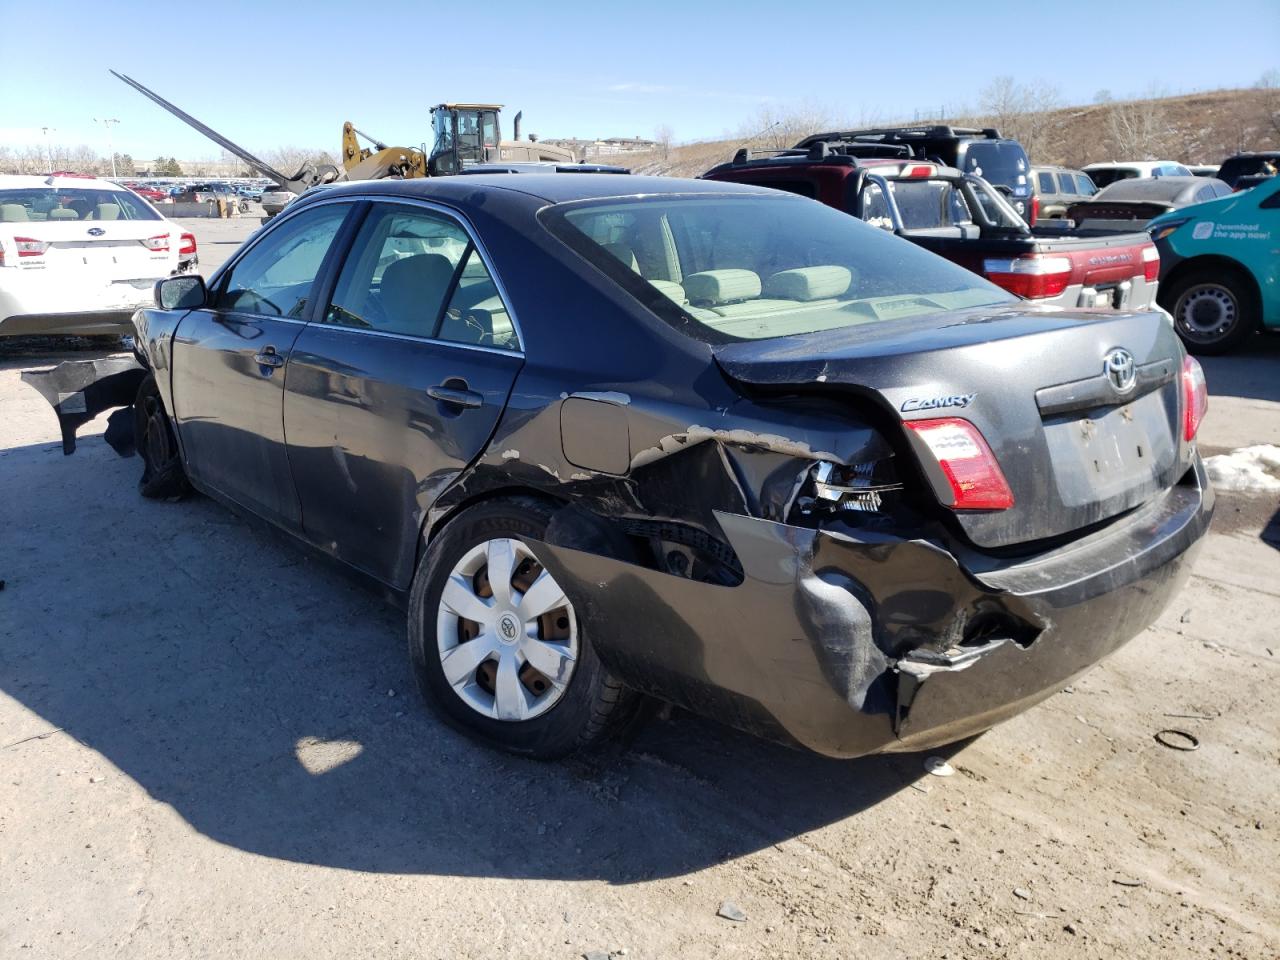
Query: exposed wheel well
{"points": [[431, 528]]}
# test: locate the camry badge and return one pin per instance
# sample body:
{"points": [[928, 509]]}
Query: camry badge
{"points": [[1120, 369], [934, 403], [96, 231]]}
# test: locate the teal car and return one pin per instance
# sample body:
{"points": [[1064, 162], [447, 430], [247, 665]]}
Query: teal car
{"points": [[1220, 267]]}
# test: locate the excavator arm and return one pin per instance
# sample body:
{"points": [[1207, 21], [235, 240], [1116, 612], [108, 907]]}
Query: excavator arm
{"points": [[307, 176]]}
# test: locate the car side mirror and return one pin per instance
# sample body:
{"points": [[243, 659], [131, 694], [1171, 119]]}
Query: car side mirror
{"points": [[181, 293]]}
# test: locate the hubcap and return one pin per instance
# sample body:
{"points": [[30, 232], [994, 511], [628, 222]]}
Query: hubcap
{"points": [[506, 633], [1206, 313]]}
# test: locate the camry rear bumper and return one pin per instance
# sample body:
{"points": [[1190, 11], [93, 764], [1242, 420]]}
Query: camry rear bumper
{"points": [[849, 644]]}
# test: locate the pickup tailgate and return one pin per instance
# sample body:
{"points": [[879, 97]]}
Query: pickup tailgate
{"points": [[1073, 448], [1103, 260]]}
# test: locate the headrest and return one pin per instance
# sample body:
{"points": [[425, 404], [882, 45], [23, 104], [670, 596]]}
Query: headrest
{"points": [[63, 213], [624, 254], [412, 289], [809, 283], [670, 289], [721, 286], [108, 211], [12, 212]]}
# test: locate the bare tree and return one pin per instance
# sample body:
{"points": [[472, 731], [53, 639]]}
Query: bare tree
{"points": [[1022, 111], [289, 160], [1138, 129], [663, 136], [1269, 85], [776, 128]]}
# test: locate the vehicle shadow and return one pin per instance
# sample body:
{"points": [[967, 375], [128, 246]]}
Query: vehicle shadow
{"points": [[268, 700], [1253, 372]]}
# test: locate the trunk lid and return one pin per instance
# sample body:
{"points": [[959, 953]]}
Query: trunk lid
{"points": [[110, 250], [1034, 382]]}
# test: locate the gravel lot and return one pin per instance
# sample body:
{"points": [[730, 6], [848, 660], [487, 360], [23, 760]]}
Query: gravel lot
{"points": [[210, 746]]}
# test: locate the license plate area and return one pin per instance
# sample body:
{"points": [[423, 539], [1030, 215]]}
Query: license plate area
{"points": [[1120, 451]]}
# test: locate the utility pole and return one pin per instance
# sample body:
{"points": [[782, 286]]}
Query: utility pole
{"points": [[48, 150], [107, 125]]}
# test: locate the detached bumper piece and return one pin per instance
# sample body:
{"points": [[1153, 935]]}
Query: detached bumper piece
{"points": [[79, 390]]}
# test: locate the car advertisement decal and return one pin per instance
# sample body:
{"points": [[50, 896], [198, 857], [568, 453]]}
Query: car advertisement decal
{"points": [[1229, 231]]}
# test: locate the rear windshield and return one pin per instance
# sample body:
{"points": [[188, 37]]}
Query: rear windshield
{"points": [[1248, 167], [1109, 175], [1001, 162], [752, 267], [72, 203]]}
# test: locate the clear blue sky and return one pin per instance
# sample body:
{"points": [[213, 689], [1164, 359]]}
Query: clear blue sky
{"points": [[289, 74]]}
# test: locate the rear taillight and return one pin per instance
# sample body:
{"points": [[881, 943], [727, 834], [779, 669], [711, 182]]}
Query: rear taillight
{"points": [[1033, 277], [1034, 212], [1150, 263], [188, 245], [158, 244], [27, 247], [977, 482], [1195, 397]]}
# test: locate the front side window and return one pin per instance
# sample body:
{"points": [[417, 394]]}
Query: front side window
{"points": [[274, 278], [416, 273], [1085, 185], [757, 267]]}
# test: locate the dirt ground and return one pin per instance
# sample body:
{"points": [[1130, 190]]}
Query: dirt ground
{"points": [[210, 746]]}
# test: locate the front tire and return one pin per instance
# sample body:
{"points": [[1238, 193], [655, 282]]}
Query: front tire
{"points": [[163, 477], [496, 646], [1214, 310]]}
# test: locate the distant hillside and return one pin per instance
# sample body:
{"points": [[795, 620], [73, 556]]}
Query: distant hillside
{"points": [[1195, 128]]}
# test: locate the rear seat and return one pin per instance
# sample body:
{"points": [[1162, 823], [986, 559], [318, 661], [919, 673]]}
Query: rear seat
{"points": [[735, 293]]}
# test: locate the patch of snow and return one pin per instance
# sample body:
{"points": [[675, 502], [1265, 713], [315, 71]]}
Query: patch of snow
{"points": [[1253, 469]]}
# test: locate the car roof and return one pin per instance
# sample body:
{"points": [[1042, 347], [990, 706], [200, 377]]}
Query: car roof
{"points": [[11, 181], [1132, 165], [551, 187], [1170, 189]]}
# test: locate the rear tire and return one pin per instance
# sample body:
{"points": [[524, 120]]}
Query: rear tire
{"points": [[1215, 310], [492, 691], [163, 477]]}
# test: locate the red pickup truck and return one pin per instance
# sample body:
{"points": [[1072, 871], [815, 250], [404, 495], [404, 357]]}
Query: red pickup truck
{"points": [[961, 217]]}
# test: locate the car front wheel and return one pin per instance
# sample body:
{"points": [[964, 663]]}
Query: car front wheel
{"points": [[163, 477], [497, 647]]}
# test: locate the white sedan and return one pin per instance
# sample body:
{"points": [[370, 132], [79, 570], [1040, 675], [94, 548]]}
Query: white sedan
{"points": [[78, 255]]}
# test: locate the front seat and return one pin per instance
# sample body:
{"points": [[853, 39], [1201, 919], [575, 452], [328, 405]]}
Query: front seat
{"points": [[412, 292]]}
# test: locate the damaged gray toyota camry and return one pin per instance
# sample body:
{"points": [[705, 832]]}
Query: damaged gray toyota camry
{"points": [[612, 437]]}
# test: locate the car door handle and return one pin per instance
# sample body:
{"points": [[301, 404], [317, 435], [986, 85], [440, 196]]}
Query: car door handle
{"points": [[269, 358], [459, 398]]}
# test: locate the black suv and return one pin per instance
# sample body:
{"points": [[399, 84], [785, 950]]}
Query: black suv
{"points": [[1248, 165], [1002, 162]]}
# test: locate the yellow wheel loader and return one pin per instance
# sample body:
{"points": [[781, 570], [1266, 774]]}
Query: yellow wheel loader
{"points": [[466, 134]]}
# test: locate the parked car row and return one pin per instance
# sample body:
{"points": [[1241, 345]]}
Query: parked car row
{"points": [[1045, 233]]}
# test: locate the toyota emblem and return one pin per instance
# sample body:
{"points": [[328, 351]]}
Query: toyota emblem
{"points": [[1120, 369]]}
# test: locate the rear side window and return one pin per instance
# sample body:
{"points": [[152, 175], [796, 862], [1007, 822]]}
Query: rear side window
{"points": [[1067, 182], [416, 273], [274, 278], [61, 203], [1046, 183]]}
